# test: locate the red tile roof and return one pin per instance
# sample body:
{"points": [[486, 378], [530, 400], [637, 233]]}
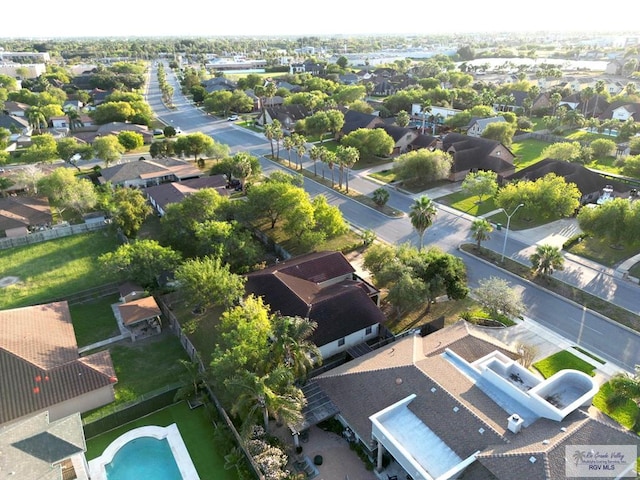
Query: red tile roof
{"points": [[39, 361]]}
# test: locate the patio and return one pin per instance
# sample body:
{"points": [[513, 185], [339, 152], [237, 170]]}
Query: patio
{"points": [[339, 462]]}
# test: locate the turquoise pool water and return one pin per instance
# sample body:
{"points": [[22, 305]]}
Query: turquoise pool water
{"points": [[144, 458]]}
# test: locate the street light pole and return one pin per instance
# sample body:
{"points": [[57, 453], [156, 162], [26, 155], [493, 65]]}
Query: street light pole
{"points": [[506, 233]]}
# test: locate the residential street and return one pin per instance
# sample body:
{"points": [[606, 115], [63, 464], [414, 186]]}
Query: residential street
{"points": [[607, 339]]}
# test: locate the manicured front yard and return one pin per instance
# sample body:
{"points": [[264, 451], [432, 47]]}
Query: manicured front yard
{"points": [[599, 250], [196, 429], [55, 268], [468, 204]]}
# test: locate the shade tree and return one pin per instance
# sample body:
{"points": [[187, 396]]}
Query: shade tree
{"points": [[422, 166], [369, 142], [483, 183]]}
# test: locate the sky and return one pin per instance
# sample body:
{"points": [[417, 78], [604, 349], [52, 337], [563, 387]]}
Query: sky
{"points": [[144, 18]]}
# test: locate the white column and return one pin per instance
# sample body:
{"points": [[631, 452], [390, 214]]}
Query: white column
{"points": [[380, 454]]}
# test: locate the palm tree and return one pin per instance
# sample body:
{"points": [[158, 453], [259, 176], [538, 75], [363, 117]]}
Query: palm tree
{"points": [[329, 158], [315, 154], [426, 108], [74, 118], [624, 388], [287, 144], [272, 394], [423, 213], [481, 230], [291, 346], [299, 142], [546, 259], [37, 118], [270, 134]]}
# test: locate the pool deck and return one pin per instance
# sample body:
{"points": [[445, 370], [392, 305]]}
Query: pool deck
{"points": [[97, 466], [339, 462]]}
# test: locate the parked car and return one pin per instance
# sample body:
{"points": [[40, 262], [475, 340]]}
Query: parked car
{"points": [[232, 118], [158, 131]]}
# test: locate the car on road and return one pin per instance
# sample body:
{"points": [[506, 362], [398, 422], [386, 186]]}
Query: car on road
{"points": [[232, 118], [158, 131]]}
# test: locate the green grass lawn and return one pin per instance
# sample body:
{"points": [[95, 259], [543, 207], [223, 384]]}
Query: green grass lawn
{"points": [[625, 414], [561, 360], [468, 204], [599, 250], [196, 429], [386, 176], [142, 367], [527, 152], [94, 321], [55, 268], [635, 270]]}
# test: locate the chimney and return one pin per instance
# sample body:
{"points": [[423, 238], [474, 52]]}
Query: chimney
{"points": [[515, 423]]}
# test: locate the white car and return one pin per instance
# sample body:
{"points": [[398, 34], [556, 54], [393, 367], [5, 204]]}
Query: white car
{"points": [[232, 118], [178, 130]]}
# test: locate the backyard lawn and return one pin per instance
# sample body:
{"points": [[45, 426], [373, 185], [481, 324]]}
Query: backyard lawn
{"points": [[527, 152], [54, 269], [94, 321], [142, 367], [196, 430]]}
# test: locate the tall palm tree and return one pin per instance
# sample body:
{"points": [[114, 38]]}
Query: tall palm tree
{"points": [[300, 144], [288, 145], [74, 118], [329, 158], [291, 346], [315, 154], [481, 230], [624, 388], [423, 213], [546, 259]]}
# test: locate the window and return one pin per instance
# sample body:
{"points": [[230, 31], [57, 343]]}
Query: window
{"points": [[368, 331], [341, 342]]}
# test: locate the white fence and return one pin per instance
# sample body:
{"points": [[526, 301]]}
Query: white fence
{"points": [[44, 235]]}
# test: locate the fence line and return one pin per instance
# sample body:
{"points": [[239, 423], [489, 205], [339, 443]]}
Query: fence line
{"points": [[50, 234], [176, 328]]}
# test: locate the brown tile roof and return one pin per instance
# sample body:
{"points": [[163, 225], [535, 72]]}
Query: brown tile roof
{"points": [[139, 310], [144, 169], [318, 286], [39, 361], [371, 383], [23, 211]]}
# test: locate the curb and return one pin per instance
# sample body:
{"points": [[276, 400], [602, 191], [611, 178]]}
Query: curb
{"points": [[560, 297]]}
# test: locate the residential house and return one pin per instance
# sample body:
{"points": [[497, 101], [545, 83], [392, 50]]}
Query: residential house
{"points": [[41, 369], [18, 126], [622, 111], [402, 136], [424, 141], [614, 67], [98, 96], [456, 404], [17, 109], [20, 215], [473, 154], [37, 448], [160, 196], [588, 182], [114, 128], [593, 107], [477, 125], [287, 115], [72, 104], [354, 120], [349, 79], [219, 84], [308, 66], [145, 173], [63, 121], [323, 287]]}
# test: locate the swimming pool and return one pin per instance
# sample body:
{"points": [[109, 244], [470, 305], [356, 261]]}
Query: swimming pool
{"points": [[150, 452], [144, 457]]}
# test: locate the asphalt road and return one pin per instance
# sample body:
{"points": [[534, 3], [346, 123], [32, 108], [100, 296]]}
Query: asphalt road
{"points": [[595, 333]]}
